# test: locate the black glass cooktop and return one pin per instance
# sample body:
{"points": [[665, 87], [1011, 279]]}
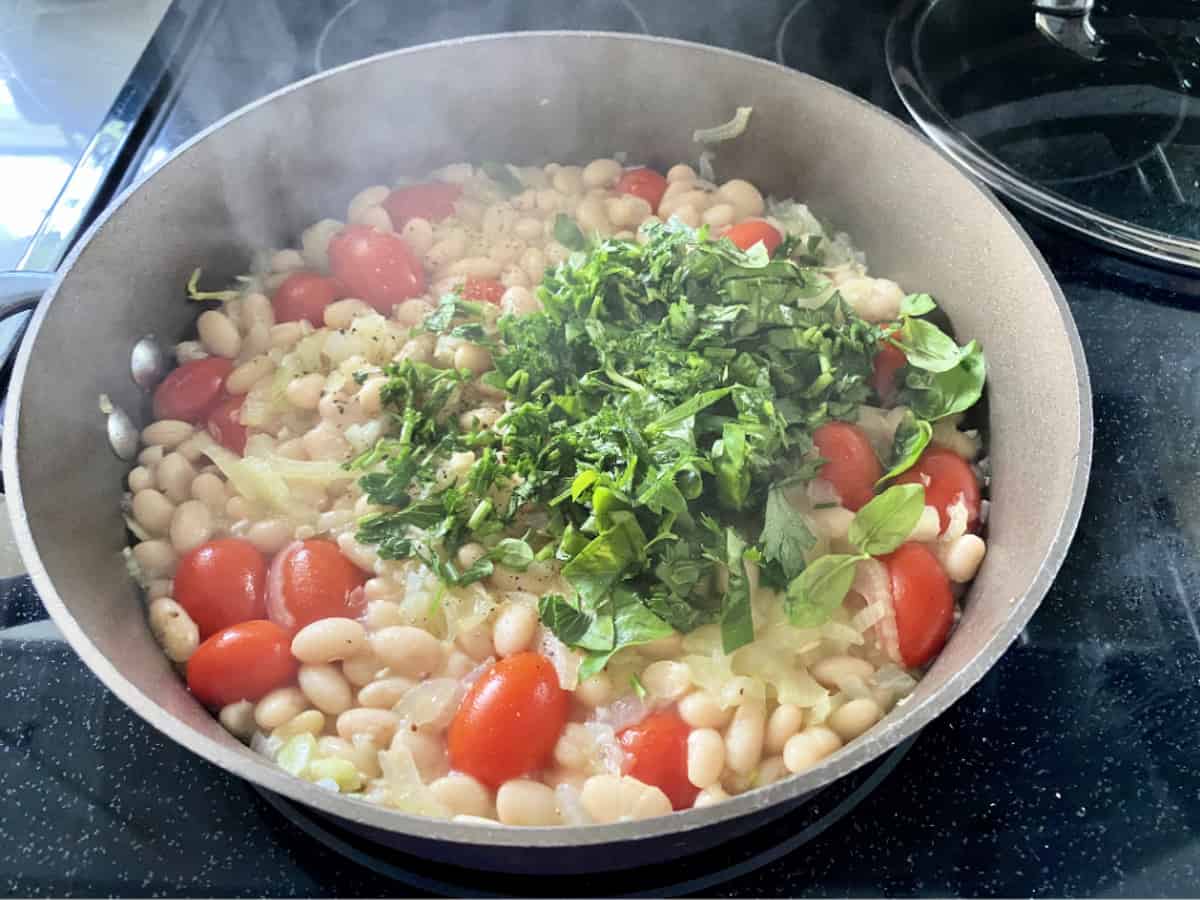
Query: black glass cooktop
{"points": [[1072, 768]]}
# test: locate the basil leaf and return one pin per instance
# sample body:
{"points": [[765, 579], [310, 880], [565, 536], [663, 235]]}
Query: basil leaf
{"points": [[567, 622], [737, 621], [687, 410], [911, 438], [633, 625], [567, 233], [928, 347], [785, 536], [886, 522], [935, 395], [504, 178], [729, 456], [917, 305], [513, 553], [814, 595]]}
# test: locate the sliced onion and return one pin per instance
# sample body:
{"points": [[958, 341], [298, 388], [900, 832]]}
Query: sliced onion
{"points": [[726, 131], [570, 805], [957, 526], [609, 755], [622, 713], [891, 677], [476, 673], [431, 703], [277, 610], [406, 791], [565, 660]]}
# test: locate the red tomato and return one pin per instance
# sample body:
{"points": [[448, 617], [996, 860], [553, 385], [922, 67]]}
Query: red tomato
{"points": [[946, 477], [191, 391], [510, 720], [851, 465], [311, 580], [242, 662], [221, 583], [921, 601], [489, 290], [304, 295], [657, 747], [644, 183], [432, 202], [374, 266], [746, 234], [888, 361], [225, 426]]}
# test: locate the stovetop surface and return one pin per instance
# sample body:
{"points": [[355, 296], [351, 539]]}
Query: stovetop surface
{"points": [[1072, 768]]}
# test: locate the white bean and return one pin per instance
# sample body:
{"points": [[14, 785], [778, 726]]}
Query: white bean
{"points": [[418, 234], [534, 262], [305, 391], [412, 313], [499, 220], [364, 199], [385, 692], [446, 251], [609, 798], [238, 719], [592, 216], [155, 559], [168, 433], [314, 243], [687, 215], [153, 511], [150, 457], [383, 614], [218, 334], [525, 802], [284, 335], [248, 374], [705, 757], [476, 641], [270, 535], [379, 725], [851, 719], [193, 449], [418, 349], [191, 526], [627, 211], [286, 261], [719, 216], [833, 669], [279, 706], [666, 679], [680, 172], [160, 587], [189, 351], [361, 751], [962, 557], [325, 441], [362, 669], [600, 173], [174, 629], [462, 795], [257, 312], [514, 628], [701, 710], [744, 197], [809, 747], [325, 688], [140, 479], [311, 721], [785, 720], [209, 489], [340, 313], [175, 476], [428, 752], [770, 770], [596, 690], [744, 736], [408, 651], [710, 796], [326, 640], [671, 206], [474, 358]]}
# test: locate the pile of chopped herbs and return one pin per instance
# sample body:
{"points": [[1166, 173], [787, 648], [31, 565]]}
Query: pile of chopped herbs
{"points": [[658, 407]]}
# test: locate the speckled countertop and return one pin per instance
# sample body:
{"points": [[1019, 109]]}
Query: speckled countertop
{"points": [[1073, 768]]}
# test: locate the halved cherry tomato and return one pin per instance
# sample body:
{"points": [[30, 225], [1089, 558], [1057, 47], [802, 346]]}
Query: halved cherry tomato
{"points": [[851, 465], [889, 360], [657, 747], [433, 202], [375, 266], [191, 391], [946, 477], [921, 601], [746, 234], [304, 296], [644, 183], [510, 720], [225, 426], [488, 290], [242, 662], [222, 583], [311, 580]]}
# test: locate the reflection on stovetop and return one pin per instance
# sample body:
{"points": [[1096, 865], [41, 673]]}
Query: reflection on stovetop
{"points": [[1072, 768]]}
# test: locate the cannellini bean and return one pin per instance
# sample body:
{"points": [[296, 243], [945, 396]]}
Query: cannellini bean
{"points": [[325, 441], [314, 243], [385, 692], [612, 798], [961, 557], [257, 341], [239, 508], [785, 720], [155, 559], [153, 511], [528, 228], [680, 172], [525, 802], [686, 214], [412, 313], [809, 747], [550, 201], [218, 334], [743, 196], [927, 526], [875, 299], [189, 351], [168, 433], [475, 267], [454, 469], [575, 748], [238, 719], [325, 688], [445, 252], [833, 669], [340, 313], [469, 212], [363, 668], [770, 770], [519, 301], [418, 349], [568, 180], [499, 219], [719, 216], [853, 718], [311, 721], [476, 641], [664, 647], [193, 449], [535, 262], [701, 710], [160, 587], [407, 651], [379, 725], [484, 417], [370, 395], [286, 261], [175, 476], [418, 234], [209, 489], [671, 206], [151, 456], [383, 614], [140, 479], [473, 357], [627, 211], [592, 216], [596, 690], [744, 736], [362, 752], [675, 190], [191, 526], [270, 535], [284, 335], [305, 391], [601, 173], [462, 795], [705, 757], [278, 707], [428, 752], [710, 796], [257, 311], [666, 679], [174, 629], [327, 640], [364, 199], [514, 628]]}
